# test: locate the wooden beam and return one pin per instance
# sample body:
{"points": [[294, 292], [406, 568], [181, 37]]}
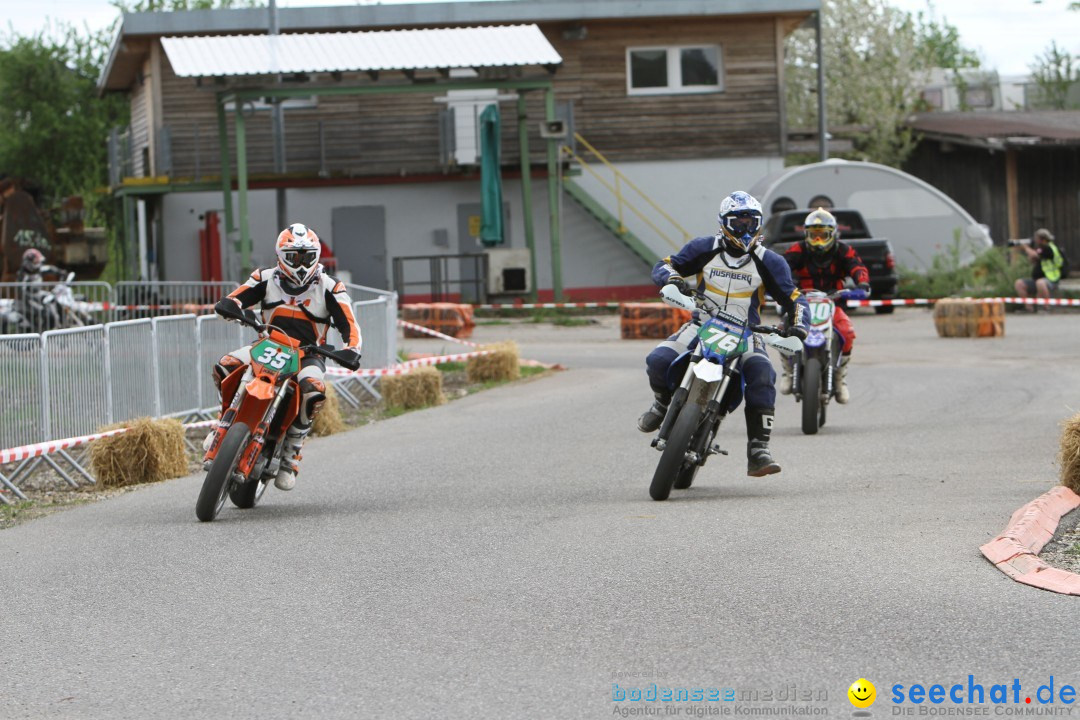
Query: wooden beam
{"points": [[1012, 196]]}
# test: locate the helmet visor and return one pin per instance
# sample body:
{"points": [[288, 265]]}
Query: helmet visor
{"points": [[300, 258], [820, 236]]}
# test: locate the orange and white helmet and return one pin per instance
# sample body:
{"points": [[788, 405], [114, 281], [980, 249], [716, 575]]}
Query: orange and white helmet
{"points": [[298, 251]]}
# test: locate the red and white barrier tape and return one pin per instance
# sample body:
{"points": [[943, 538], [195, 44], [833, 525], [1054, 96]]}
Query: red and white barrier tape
{"points": [[24, 452], [930, 301], [434, 333], [538, 306], [406, 367]]}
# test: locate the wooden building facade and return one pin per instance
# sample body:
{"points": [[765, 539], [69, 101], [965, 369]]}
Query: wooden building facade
{"points": [[1015, 172], [657, 83]]}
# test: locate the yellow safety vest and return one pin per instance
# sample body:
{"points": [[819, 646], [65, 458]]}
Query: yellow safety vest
{"points": [[1052, 268]]}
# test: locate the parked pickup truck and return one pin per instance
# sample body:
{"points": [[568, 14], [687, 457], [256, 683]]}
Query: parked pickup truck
{"points": [[784, 229]]}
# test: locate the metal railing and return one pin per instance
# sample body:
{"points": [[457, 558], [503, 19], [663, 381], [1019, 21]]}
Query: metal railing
{"points": [[69, 382], [172, 297], [77, 389], [132, 392], [22, 379], [468, 272], [38, 307], [618, 186]]}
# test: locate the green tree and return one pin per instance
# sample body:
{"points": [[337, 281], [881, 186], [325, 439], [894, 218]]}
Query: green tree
{"points": [[1054, 72], [55, 125], [877, 58]]}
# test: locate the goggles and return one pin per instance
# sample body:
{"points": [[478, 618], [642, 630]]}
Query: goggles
{"points": [[819, 236], [742, 225], [300, 258]]}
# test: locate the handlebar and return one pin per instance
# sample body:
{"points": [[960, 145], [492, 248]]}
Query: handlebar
{"points": [[232, 311]]}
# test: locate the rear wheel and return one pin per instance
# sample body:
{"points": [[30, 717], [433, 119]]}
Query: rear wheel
{"points": [[246, 496], [685, 478], [218, 478], [674, 457], [811, 396]]}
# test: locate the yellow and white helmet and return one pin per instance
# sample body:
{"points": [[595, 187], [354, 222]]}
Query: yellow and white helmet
{"points": [[820, 231]]}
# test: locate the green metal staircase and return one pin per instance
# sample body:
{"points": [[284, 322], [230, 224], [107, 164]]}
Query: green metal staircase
{"points": [[650, 215], [609, 221]]}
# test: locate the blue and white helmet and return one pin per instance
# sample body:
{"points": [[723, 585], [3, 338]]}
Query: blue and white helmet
{"points": [[740, 221]]}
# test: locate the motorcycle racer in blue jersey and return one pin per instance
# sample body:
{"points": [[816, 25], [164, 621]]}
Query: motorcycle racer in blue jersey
{"points": [[735, 270]]}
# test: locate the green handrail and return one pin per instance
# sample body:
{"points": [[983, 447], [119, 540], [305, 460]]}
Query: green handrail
{"points": [[621, 178]]}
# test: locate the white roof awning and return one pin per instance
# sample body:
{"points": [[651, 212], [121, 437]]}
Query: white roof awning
{"points": [[504, 46]]}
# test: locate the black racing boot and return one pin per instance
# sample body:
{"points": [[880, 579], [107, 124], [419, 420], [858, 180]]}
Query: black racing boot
{"points": [[654, 416], [759, 422]]}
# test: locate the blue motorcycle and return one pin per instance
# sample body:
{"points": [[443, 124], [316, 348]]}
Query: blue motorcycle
{"points": [[709, 388], [813, 374]]}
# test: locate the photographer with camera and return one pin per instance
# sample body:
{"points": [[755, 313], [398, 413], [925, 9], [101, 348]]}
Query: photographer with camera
{"points": [[1047, 262]]}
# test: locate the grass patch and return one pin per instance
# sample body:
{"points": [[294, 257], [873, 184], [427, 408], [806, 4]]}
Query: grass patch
{"points": [[532, 370], [451, 367], [558, 317], [10, 514], [1074, 550], [493, 322], [993, 273]]}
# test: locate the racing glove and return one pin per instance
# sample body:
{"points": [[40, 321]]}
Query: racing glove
{"points": [[865, 287], [796, 331], [679, 283]]}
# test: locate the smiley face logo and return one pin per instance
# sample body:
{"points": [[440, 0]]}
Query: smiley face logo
{"points": [[862, 693]]}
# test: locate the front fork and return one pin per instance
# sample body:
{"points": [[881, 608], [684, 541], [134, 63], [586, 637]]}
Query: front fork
{"points": [[258, 438], [714, 393]]}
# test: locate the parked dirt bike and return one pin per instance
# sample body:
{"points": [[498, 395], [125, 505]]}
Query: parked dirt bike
{"points": [[42, 309], [709, 387], [814, 371], [67, 309], [257, 409]]}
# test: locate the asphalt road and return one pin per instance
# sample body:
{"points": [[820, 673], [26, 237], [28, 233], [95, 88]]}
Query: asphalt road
{"points": [[500, 557]]}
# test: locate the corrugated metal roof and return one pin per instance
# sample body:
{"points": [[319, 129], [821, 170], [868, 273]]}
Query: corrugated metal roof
{"points": [[505, 46], [1003, 128]]}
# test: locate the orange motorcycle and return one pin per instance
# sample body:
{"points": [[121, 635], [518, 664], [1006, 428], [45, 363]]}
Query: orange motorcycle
{"points": [[258, 404]]}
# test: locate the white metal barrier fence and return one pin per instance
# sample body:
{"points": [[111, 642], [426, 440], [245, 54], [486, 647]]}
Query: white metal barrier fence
{"points": [[37, 307], [155, 299], [77, 390], [176, 362], [216, 338], [133, 376], [22, 381]]}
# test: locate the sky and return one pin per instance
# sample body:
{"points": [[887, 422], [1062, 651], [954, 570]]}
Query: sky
{"points": [[1007, 34]]}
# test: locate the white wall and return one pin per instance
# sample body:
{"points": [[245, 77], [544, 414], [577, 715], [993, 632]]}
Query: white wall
{"points": [[689, 191], [591, 256]]}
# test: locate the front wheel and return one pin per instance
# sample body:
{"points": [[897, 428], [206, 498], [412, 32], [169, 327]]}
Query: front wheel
{"points": [[674, 457], [215, 487], [811, 396]]}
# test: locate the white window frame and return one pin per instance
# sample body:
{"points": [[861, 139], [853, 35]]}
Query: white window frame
{"points": [[674, 71]]}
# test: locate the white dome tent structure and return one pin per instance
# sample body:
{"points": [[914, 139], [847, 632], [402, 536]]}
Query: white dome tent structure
{"points": [[918, 219]]}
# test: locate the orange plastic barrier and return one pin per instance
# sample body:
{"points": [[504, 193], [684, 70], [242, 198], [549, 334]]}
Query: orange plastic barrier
{"points": [[961, 317], [453, 319], [650, 320]]}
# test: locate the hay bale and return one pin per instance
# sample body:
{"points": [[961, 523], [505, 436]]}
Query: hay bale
{"points": [[329, 420], [418, 389], [1069, 456], [503, 363], [153, 450]]}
